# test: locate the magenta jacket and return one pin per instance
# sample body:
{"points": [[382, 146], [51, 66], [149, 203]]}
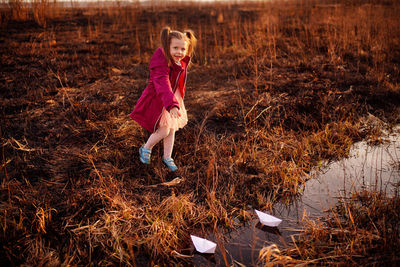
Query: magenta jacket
{"points": [[160, 90]]}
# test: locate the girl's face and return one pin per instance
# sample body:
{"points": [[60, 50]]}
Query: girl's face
{"points": [[177, 49]]}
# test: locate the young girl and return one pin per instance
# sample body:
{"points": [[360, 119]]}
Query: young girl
{"points": [[160, 108]]}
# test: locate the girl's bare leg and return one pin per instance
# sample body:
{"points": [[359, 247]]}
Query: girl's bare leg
{"points": [[157, 136], [169, 144]]}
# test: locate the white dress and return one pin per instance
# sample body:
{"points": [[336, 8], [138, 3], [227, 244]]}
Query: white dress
{"points": [[167, 121]]}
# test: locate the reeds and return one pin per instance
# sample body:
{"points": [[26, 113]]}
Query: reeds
{"points": [[38, 10], [363, 229], [274, 90]]}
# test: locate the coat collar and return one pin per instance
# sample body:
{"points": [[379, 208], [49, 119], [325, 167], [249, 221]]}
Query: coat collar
{"points": [[186, 59], [175, 66]]}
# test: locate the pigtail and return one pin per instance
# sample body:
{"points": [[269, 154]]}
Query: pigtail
{"points": [[191, 40], [164, 37]]}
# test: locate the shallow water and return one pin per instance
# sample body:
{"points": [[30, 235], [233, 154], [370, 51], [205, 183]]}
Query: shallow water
{"points": [[374, 168]]}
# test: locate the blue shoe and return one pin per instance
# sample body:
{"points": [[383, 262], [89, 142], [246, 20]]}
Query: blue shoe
{"points": [[170, 164], [145, 154]]}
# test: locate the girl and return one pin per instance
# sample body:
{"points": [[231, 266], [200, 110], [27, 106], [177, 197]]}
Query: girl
{"points": [[160, 108]]}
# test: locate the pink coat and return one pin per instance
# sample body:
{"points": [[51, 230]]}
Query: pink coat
{"points": [[159, 93]]}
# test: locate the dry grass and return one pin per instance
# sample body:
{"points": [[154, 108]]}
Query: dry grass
{"points": [[362, 230], [274, 89]]}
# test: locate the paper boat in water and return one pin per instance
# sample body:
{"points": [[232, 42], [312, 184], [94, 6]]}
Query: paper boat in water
{"points": [[267, 219], [203, 245]]}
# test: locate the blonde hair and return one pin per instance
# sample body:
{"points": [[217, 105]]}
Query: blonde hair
{"points": [[167, 34]]}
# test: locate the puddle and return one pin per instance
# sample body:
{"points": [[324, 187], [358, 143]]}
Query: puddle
{"points": [[374, 168]]}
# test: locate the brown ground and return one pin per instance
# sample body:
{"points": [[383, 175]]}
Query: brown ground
{"points": [[73, 189]]}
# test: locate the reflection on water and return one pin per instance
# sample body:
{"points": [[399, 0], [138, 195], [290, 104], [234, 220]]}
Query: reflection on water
{"points": [[373, 168]]}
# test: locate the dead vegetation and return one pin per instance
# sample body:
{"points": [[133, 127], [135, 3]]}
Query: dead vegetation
{"points": [[363, 229], [274, 89]]}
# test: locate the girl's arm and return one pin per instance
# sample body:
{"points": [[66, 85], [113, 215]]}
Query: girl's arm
{"points": [[159, 73], [163, 87]]}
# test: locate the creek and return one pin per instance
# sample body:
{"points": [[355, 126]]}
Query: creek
{"points": [[368, 167]]}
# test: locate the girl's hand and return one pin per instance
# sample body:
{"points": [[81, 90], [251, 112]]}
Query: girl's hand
{"points": [[175, 113]]}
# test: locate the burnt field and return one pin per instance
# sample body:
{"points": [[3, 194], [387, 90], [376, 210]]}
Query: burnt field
{"points": [[274, 89]]}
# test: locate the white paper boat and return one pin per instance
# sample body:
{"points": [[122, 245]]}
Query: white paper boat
{"points": [[267, 219], [203, 245]]}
